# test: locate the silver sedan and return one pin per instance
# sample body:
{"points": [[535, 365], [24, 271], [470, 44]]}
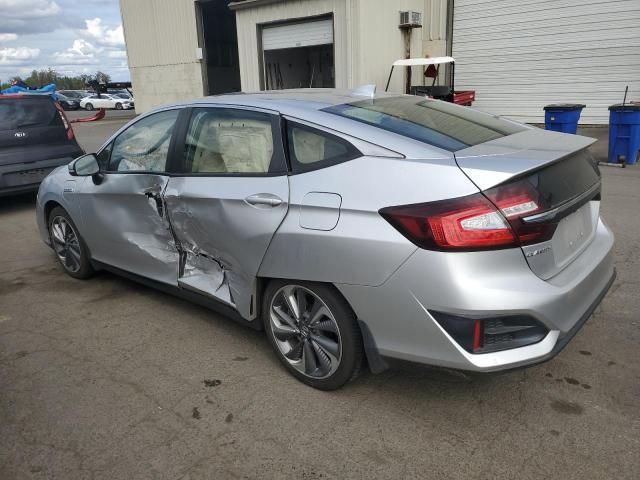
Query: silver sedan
{"points": [[354, 229]]}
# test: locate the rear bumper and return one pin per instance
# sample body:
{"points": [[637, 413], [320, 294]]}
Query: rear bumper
{"points": [[26, 177], [397, 314]]}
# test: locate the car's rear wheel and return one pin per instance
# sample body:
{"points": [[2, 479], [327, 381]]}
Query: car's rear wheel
{"points": [[118, 106], [89, 106], [313, 332], [70, 249]]}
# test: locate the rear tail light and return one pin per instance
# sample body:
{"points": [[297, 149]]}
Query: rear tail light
{"points": [[65, 122], [486, 335], [486, 221]]}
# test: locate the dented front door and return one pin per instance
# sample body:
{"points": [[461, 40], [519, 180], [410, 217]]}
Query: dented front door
{"points": [[124, 219], [127, 225], [224, 226]]}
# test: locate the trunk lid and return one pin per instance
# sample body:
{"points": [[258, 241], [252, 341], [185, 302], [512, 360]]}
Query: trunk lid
{"points": [[32, 129], [566, 179]]}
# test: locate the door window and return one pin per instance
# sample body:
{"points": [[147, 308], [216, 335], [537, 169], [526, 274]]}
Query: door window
{"points": [[310, 149], [103, 156], [144, 146], [229, 141]]}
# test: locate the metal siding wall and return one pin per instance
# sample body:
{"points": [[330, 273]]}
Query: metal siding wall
{"points": [[367, 38], [520, 56], [434, 21], [248, 19], [161, 38]]}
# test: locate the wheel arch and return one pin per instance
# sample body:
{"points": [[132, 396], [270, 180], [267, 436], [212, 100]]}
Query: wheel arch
{"points": [[374, 361], [48, 208]]}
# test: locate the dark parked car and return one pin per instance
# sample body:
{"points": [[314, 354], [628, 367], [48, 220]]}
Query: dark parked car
{"points": [[74, 94], [68, 103], [35, 138]]}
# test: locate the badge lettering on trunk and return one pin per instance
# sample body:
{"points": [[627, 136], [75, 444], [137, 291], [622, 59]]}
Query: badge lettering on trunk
{"points": [[20, 134], [533, 253]]}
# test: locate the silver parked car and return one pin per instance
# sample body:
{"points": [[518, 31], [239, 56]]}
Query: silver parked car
{"points": [[351, 228]]}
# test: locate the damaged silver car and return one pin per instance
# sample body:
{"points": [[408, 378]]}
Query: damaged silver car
{"points": [[353, 229]]}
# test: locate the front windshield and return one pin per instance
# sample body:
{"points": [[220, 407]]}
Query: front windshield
{"points": [[437, 123]]}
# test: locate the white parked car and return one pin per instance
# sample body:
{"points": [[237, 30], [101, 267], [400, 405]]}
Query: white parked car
{"points": [[106, 100]]}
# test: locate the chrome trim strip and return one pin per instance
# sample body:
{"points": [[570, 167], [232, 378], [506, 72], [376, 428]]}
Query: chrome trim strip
{"points": [[553, 213]]}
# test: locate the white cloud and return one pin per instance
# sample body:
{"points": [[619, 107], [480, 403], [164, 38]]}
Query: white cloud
{"points": [[102, 35], [80, 53], [17, 56], [117, 54], [29, 8], [8, 37]]}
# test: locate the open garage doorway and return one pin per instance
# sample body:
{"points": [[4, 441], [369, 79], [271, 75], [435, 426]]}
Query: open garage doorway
{"points": [[298, 55], [219, 42]]}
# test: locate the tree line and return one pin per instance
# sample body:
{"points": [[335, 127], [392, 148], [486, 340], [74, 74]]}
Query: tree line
{"points": [[39, 78]]}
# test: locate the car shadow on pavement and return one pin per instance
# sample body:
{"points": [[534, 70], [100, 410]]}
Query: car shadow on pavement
{"points": [[401, 375], [17, 203]]}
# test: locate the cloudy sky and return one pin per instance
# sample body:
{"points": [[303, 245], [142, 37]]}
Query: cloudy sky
{"points": [[70, 36]]}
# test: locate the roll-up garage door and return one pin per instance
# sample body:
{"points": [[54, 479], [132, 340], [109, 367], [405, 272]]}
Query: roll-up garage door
{"points": [[306, 34], [520, 56]]}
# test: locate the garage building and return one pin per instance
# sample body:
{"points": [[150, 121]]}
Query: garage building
{"points": [[520, 56], [517, 56]]}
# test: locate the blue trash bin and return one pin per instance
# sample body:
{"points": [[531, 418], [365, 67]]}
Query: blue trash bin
{"points": [[624, 133], [562, 117]]}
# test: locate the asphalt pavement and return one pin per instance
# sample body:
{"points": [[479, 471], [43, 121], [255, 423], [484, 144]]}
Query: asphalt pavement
{"points": [[108, 379]]}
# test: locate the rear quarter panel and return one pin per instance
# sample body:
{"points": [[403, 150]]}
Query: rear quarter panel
{"points": [[362, 248]]}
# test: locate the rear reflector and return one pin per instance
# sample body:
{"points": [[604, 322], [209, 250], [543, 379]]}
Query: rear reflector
{"points": [[486, 335], [477, 222]]}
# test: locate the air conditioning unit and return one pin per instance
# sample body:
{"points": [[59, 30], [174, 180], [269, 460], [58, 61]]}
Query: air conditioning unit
{"points": [[409, 19]]}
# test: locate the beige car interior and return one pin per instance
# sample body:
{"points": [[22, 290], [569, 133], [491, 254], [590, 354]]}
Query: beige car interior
{"points": [[231, 145], [308, 147]]}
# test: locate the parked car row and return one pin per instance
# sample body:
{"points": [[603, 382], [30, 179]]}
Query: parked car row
{"points": [[105, 100], [75, 99]]}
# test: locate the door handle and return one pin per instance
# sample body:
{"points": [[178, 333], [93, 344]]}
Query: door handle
{"points": [[266, 199]]}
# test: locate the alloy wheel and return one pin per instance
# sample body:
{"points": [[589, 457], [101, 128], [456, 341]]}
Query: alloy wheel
{"points": [[66, 244], [305, 331]]}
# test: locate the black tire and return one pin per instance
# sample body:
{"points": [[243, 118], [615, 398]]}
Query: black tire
{"points": [[83, 270], [118, 106], [88, 106], [349, 335]]}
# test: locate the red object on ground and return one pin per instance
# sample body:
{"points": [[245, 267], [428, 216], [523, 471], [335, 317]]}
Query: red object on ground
{"points": [[98, 116]]}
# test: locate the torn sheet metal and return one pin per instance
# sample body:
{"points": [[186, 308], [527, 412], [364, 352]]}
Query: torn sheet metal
{"points": [[204, 274], [223, 237]]}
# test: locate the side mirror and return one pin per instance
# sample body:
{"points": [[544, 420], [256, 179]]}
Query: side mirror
{"points": [[84, 166]]}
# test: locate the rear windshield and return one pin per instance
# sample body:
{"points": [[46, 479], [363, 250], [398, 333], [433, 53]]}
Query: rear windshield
{"points": [[437, 123], [23, 112]]}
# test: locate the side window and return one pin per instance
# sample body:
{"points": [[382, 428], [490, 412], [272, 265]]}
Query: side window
{"points": [[310, 149], [104, 155], [144, 146], [223, 140]]}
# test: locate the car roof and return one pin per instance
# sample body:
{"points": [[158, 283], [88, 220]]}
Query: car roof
{"points": [[308, 105], [290, 102]]}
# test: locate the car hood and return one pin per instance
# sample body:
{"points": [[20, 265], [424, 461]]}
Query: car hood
{"points": [[491, 163]]}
